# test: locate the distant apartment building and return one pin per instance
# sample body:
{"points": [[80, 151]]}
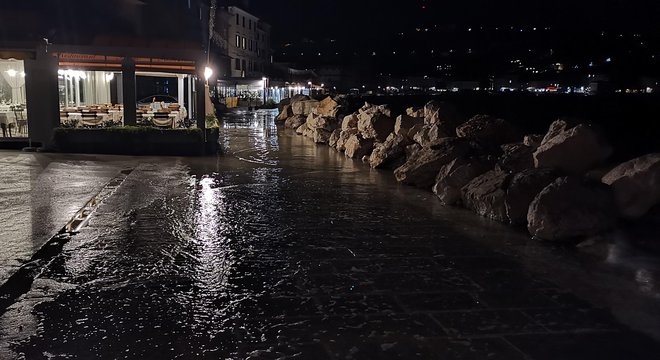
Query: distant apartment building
{"points": [[246, 52], [248, 43]]}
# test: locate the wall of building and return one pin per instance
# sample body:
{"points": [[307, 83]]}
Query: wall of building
{"points": [[248, 43]]}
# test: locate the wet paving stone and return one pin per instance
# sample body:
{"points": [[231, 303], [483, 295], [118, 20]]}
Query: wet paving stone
{"points": [[340, 284], [403, 347], [572, 319], [605, 346], [282, 351], [495, 262], [276, 307], [358, 304], [524, 298], [487, 323], [417, 302], [506, 280], [565, 299], [388, 265], [448, 280], [284, 250]]}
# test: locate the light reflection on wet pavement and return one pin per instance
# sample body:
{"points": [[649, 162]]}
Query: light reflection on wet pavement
{"points": [[282, 249]]}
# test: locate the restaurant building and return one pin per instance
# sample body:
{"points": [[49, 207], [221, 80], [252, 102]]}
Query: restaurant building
{"points": [[132, 62]]}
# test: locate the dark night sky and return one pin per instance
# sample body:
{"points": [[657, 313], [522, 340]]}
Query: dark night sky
{"points": [[295, 19]]}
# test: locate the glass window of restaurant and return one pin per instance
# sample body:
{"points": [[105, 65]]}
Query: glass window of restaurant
{"points": [[165, 99], [89, 98], [13, 105], [94, 98]]}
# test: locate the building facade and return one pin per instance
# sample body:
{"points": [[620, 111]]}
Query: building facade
{"points": [[249, 43], [62, 66], [243, 52]]}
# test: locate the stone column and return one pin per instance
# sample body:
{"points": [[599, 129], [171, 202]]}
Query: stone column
{"points": [[200, 101], [42, 96], [180, 89], [128, 92]]}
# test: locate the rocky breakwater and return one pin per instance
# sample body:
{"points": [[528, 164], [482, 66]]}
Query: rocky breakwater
{"points": [[552, 184]]}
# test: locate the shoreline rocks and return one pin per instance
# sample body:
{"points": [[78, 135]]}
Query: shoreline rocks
{"points": [[404, 123], [391, 153], [357, 146], [486, 194], [455, 175], [422, 166], [522, 190], [488, 131], [572, 147], [544, 182], [374, 122], [636, 185], [571, 207]]}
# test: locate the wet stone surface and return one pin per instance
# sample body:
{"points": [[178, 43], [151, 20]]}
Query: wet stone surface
{"points": [[36, 202], [282, 249]]}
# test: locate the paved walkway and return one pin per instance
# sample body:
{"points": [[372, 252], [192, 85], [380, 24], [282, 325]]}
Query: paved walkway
{"points": [[282, 249], [39, 193]]}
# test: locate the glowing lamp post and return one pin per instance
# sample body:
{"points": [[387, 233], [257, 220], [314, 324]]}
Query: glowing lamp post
{"points": [[208, 105], [208, 72]]}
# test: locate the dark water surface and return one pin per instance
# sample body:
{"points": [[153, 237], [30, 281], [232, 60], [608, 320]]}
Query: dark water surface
{"points": [[282, 249]]}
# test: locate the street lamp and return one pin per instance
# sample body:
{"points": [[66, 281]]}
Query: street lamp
{"points": [[309, 84], [208, 72]]}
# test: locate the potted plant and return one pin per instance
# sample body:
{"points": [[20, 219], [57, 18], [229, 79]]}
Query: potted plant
{"points": [[211, 134]]}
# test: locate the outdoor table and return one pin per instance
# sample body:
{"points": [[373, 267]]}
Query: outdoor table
{"points": [[5, 123]]}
